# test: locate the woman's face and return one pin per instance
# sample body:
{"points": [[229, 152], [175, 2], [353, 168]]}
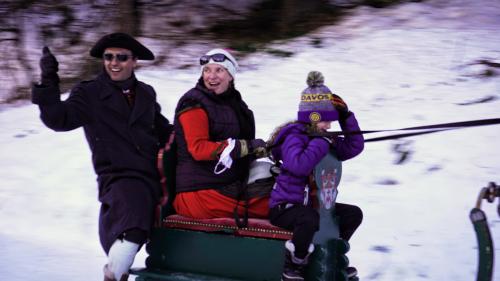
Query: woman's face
{"points": [[216, 78], [324, 125]]}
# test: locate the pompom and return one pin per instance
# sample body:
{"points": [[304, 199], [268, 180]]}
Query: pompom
{"points": [[315, 78]]}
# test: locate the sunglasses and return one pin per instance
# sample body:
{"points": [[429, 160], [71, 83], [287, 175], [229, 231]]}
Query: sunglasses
{"points": [[215, 57], [119, 57]]}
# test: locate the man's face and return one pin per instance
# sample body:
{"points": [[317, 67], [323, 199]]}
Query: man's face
{"points": [[117, 69]]}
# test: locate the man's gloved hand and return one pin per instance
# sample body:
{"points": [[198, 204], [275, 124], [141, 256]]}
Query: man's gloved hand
{"points": [[49, 67], [258, 147], [341, 107]]}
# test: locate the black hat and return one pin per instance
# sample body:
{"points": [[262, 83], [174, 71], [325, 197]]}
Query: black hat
{"points": [[121, 40]]}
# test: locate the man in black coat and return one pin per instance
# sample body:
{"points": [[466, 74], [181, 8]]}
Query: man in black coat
{"points": [[124, 129]]}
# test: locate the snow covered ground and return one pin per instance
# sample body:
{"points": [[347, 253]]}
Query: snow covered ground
{"points": [[410, 65]]}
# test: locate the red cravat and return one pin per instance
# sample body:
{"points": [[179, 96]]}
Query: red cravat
{"points": [[130, 97]]}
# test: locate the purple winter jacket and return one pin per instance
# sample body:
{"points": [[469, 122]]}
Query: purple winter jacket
{"points": [[300, 153]]}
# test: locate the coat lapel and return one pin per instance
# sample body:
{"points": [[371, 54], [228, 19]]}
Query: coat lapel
{"points": [[143, 100], [112, 98]]}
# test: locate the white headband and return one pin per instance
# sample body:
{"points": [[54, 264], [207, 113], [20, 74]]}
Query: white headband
{"points": [[230, 64]]}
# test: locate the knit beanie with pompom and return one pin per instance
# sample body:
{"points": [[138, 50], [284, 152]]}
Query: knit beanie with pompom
{"points": [[316, 101]]}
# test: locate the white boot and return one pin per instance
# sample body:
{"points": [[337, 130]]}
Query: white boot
{"points": [[294, 267], [108, 275], [120, 258]]}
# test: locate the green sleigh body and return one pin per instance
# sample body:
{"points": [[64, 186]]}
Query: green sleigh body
{"points": [[216, 249]]}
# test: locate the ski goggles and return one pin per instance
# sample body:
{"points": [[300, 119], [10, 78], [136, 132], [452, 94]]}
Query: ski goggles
{"points": [[215, 57], [119, 57]]}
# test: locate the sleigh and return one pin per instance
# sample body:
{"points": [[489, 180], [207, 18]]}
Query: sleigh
{"points": [[188, 249]]}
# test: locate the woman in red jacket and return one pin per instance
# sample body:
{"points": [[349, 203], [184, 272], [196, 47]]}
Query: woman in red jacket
{"points": [[215, 133]]}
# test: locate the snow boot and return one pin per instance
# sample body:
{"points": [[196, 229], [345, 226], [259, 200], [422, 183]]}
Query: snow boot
{"points": [[120, 257], [294, 269], [108, 275]]}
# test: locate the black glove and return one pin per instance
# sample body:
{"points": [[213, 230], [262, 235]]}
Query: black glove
{"points": [[258, 147], [49, 67], [341, 107], [255, 147]]}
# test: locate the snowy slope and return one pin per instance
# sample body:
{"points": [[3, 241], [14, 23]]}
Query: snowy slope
{"points": [[405, 66]]}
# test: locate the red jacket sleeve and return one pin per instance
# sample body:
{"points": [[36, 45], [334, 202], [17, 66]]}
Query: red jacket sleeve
{"points": [[194, 123]]}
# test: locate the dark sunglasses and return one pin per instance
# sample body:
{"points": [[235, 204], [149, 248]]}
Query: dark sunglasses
{"points": [[215, 57], [119, 57]]}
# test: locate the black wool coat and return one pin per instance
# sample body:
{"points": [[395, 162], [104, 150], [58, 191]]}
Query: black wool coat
{"points": [[124, 142]]}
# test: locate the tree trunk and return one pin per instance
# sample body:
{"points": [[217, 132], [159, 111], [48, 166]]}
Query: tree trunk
{"points": [[128, 17]]}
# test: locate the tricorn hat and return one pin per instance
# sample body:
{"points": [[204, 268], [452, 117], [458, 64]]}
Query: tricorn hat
{"points": [[121, 40]]}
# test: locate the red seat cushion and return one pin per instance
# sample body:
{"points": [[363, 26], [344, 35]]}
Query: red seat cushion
{"points": [[256, 227]]}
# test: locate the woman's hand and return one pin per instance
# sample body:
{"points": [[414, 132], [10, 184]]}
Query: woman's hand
{"points": [[257, 147]]}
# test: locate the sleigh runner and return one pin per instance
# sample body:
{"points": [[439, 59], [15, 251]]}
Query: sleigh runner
{"points": [[183, 248]]}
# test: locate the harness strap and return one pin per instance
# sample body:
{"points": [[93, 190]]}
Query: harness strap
{"points": [[404, 135], [163, 180], [428, 129], [242, 192]]}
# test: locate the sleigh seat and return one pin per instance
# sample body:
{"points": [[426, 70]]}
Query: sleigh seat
{"points": [[261, 228]]}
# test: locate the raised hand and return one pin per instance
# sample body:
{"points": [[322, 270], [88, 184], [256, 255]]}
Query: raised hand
{"points": [[341, 107], [49, 68]]}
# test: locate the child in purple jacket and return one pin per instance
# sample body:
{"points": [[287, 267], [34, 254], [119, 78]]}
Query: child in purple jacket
{"points": [[290, 205]]}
